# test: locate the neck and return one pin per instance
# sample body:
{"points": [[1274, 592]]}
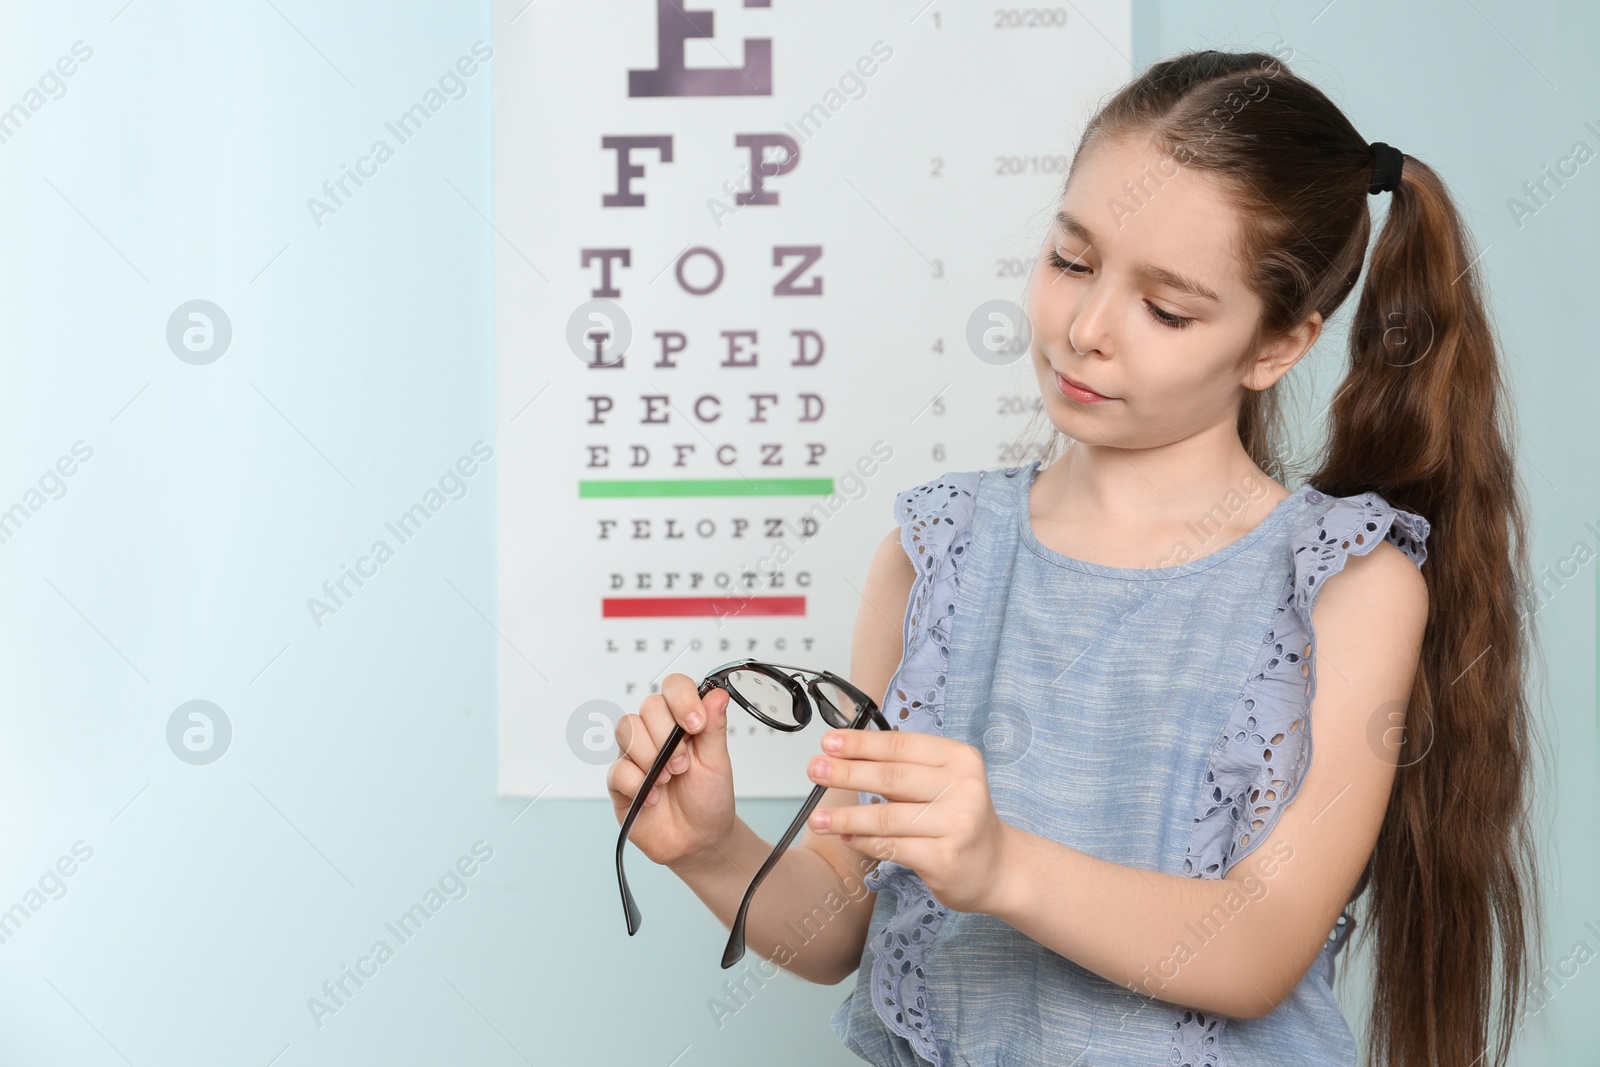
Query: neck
{"points": [[1156, 488]]}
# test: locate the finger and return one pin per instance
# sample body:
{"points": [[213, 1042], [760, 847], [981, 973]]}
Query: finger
{"points": [[711, 738], [906, 851], [623, 782], [678, 701], [659, 718], [688, 707], [708, 740], [896, 746], [634, 739], [890, 819], [892, 781], [710, 744], [637, 743]]}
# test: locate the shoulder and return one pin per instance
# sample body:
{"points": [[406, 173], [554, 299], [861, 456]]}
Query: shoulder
{"points": [[928, 517], [1383, 546], [932, 515], [1383, 582], [950, 491], [953, 494]]}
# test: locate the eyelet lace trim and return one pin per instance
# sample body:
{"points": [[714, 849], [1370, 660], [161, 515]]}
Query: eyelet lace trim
{"points": [[1259, 760], [935, 529]]}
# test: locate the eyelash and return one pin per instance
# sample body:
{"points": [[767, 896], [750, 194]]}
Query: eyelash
{"points": [[1174, 321]]}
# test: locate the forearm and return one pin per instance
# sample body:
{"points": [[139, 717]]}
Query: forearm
{"points": [[803, 917], [1200, 943]]}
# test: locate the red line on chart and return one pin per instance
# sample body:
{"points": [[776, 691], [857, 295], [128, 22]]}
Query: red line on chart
{"points": [[663, 607]]}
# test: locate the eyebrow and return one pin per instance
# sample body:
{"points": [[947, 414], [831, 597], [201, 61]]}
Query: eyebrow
{"points": [[1075, 226]]}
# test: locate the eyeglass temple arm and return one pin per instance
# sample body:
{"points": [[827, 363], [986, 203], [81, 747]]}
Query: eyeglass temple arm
{"points": [[629, 908], [734, 951]]}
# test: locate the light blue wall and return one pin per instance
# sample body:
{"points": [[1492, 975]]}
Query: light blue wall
{"points": [[177, 563]]}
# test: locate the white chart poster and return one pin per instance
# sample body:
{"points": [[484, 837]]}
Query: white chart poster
{"points": [[742, 253]]}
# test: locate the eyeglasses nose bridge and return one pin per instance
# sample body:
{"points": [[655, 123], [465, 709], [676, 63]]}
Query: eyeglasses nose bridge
{"points": [[823, 704], [804, 704]]}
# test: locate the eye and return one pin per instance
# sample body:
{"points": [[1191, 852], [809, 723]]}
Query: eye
{"points": [[1060, 264], [1176, 322]]}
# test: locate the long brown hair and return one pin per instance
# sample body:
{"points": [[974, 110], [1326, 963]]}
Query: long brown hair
{"points": [[1422, 417]]}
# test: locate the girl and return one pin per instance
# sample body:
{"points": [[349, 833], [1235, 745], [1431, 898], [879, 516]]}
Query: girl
{"points": [[1149, 751]]}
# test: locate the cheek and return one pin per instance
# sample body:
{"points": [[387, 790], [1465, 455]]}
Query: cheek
{"points": [[1044, 306], [1186, 380]]}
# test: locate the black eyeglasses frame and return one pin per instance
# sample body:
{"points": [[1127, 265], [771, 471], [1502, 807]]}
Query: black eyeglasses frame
{"points": [[805, 699]]}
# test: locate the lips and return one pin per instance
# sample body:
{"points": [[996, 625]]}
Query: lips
{"points": [[1080, 385]]}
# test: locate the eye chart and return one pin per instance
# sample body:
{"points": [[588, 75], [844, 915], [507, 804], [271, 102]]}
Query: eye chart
{"points": [[753, 262]]}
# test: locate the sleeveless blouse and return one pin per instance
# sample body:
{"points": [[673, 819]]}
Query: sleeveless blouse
{"points": [[1154, 718]]}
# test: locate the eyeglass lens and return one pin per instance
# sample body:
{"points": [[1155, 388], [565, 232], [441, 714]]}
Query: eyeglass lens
{"points": [[770, 699], [838, 707], [763, 693]]}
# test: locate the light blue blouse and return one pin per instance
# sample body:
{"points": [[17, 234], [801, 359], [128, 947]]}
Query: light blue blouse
{"points": [[1155, 718]]}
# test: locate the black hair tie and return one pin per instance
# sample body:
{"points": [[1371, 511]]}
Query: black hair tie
{"points": [[1386, 163]]}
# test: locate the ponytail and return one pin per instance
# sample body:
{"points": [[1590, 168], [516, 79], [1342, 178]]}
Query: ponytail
{"points": [[1423, 418]]}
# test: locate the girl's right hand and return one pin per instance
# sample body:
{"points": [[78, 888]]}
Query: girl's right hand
{"points": [[691, 808]]}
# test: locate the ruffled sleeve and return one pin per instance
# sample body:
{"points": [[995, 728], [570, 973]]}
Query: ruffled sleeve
{"points": [[1259, 760], [935, 529], [1353, 525]]}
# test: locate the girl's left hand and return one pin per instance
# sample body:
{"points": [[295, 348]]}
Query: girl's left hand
{"points": [[938, 818]]}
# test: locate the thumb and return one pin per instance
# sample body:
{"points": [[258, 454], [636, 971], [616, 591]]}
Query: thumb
{"points": [[711, 743]]}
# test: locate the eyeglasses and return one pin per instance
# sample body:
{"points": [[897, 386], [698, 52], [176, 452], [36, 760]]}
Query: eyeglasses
{"points": [[772, 693]]}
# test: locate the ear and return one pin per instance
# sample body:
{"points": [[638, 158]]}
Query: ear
{"points": [[1279, 355]]}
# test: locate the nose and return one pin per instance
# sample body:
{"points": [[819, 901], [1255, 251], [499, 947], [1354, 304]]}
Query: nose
{"points": [[1090, 331]]}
